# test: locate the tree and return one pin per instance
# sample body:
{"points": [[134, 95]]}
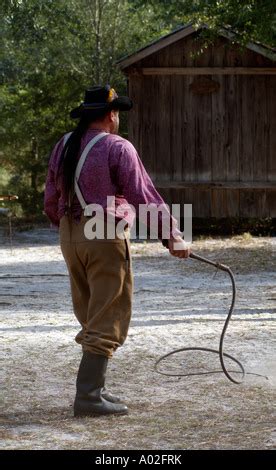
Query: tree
{"points": [[51, 52], [252, 20]]}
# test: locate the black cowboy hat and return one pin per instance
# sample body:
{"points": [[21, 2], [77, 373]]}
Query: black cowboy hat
{"points": [[100, 98]]}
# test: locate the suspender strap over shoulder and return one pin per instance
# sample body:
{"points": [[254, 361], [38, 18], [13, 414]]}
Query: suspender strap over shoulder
{"points": [[80, 164], [66, 137]]}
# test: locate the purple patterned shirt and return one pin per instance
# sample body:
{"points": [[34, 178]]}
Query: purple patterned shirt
{"points": [[112, 168]]}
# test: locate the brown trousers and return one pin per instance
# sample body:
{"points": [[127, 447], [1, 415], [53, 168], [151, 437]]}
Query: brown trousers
{"points": [[101, 279]]}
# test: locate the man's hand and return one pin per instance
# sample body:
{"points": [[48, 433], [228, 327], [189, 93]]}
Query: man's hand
{"points": [[178, 247]]}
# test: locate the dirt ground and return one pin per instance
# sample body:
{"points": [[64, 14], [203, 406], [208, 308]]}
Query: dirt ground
{"points": [[177, 303]]}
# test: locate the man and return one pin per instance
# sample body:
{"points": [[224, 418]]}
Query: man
{"points": [[95, 162]]}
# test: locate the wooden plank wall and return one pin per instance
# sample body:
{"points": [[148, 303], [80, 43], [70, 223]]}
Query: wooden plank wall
{"points": [[228, 135]]}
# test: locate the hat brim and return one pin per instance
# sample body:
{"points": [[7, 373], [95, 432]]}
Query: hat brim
{"points": [[122, 103]]}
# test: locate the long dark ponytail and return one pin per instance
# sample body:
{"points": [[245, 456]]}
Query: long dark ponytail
{"points": [[68, 159]]}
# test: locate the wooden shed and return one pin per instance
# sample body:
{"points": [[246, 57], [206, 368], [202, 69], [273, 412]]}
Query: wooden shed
{"points": [[204, 123]]}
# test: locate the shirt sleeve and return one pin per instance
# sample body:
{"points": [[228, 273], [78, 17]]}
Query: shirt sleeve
{"points": [[137, 187]]}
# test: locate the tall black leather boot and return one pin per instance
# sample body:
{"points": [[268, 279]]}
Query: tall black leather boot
{"points": [[90, 384]]}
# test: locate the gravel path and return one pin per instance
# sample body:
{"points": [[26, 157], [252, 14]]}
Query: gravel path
{"points": [[177, 303]]}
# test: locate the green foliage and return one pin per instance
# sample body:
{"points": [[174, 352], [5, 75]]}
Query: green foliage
{"points": [[51, 50], [250, 19]]}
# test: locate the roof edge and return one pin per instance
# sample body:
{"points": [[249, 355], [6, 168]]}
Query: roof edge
{"points": [[157, 44], [182, 32]]}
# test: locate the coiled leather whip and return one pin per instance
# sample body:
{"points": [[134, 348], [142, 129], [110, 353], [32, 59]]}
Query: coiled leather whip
{"points": [[220, 351]]}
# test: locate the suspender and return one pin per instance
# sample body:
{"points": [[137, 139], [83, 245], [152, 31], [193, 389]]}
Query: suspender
{"points": [[66, 137], [80, 165]]}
